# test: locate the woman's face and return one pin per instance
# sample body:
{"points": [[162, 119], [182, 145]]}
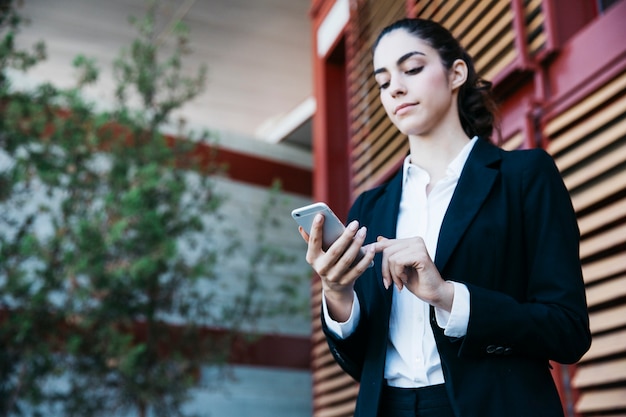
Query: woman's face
{"points": [[416, 90]]}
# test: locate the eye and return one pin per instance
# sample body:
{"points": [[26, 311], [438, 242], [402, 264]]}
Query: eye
{"points": [[413, 71], [383, 85]]}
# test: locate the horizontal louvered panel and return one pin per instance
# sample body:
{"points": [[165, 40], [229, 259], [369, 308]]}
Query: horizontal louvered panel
{"points": [[597, 401], [598, 166], [343, 410], [445, 8], [601, 140], [513, 142], [608, 372], [337, 397], [595, 167], [334, 384], [605, 267], [318, 336], [327, 372], [537, 44], [589, 125], [603, 241], [320, 346], [466, 18], [366, 107], [322, 355], [370, 175], [378, 176], [605, 320], [602, 217], [605, 292], [535, 19], [479, 33], [493, 49], [320, 350], [379, 129], [597, 99], [323, 361], [373, 154], [603, 346], [610, 185], [371, 130]]}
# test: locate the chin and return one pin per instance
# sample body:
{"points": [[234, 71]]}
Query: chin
{"points": [[412, 130], [411, 127]]}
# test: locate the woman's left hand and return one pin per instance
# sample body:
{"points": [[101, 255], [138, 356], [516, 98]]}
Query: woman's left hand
{"points": [[406, 263]]}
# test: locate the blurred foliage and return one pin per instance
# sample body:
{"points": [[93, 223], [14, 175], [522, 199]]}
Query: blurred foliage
{"points": [[111, 238]]}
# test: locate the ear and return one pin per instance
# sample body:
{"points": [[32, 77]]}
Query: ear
{"points": [[458, 74]]}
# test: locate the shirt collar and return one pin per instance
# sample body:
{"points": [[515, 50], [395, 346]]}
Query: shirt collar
{"points": [[454, 168]]}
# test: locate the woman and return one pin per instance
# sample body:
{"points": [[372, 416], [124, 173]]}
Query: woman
{"points": [[477, 281]]}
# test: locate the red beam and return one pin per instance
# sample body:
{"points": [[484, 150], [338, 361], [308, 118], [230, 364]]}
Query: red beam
{"points": [[258, 171]]}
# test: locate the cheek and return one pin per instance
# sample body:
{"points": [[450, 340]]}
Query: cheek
{"points": [[387, 104], [437, 82]]}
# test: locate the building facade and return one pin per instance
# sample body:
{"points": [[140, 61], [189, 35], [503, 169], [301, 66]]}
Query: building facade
{"points": [[559, 74]]}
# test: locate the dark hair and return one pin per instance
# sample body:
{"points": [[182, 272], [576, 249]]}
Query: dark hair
{"points": [[475, 102]]}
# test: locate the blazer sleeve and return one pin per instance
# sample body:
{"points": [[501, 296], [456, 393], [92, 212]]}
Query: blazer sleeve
{"points": [[548, 318], [349, 353]]}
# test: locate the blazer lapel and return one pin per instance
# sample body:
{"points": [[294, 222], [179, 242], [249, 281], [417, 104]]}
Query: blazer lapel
{"points": [[385, 213], [477, 179], [385, 217]]}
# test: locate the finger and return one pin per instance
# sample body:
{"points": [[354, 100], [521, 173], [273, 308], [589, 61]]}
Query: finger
{"points": [[360, 267], [384, 267], [395, 254], [347, 237], [338, 249], [355, 250], [314, 249], [383, 243], [304, 234], [398, 280]]}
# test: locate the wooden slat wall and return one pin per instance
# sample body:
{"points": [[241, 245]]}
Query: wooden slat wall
{"points": [[485, 29], [535, 30], [334, 392], [375, 142], [588, 142]]}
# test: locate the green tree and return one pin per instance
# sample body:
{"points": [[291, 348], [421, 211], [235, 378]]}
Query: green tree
{"points": [[110, 235]]}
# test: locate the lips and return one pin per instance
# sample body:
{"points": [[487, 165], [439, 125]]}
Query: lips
{"points": [[402, 106]]}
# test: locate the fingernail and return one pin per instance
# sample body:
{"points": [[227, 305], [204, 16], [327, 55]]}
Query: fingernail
{"points": [[362, 231], [318, 218], [353, 225]]}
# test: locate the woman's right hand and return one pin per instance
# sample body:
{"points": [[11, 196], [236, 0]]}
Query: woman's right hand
{"points": [[335, 266]]}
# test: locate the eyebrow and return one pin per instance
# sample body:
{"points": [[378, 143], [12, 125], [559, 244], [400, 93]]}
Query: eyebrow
{"points": [[400, 60]]}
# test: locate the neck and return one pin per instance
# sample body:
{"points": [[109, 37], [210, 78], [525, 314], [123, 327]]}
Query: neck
{"points": [[434, 153]]}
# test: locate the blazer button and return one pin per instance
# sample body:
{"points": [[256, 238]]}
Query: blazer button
{"points": [[507, 351], [499, 350], [491, 349]]}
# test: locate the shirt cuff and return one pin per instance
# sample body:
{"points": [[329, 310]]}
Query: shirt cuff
{"points": [[455, 322], [345, 329]]}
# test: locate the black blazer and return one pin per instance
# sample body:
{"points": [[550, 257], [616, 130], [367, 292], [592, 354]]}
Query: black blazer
{"points": [[509, 234]]}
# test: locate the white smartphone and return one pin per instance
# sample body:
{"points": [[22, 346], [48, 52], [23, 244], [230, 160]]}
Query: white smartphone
{"points": [[332, 228]]}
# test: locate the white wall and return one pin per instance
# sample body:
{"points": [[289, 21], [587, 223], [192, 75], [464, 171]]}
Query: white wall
{"points": [[258, 392]]}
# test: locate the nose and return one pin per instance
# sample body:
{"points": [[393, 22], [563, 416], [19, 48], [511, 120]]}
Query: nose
{"points": [[396, 87]]}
